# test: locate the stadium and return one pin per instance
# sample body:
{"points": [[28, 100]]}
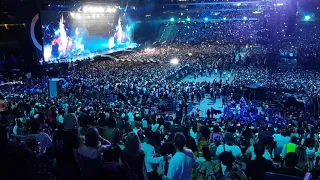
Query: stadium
{"points": [[160, 89]]}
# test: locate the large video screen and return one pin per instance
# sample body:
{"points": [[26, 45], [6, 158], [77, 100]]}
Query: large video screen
{"points": [[71, 35]]}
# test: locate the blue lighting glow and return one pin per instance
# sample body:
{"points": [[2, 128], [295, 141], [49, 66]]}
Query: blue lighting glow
{"points": [[245, 18], [46, 27], [57, 32], [206, 19], [224, 18], [188, 19], [128, 28], [307, 18], [172, 19]]}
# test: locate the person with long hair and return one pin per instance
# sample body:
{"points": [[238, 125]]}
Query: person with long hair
{"points": [[208, 168], [93, 145], [204, 136], [232, 171], [302, 158], [191, 144], [150, 143], [182, 162], [52, 117], [193, 132], [90, 152], [112, 134], [109, 130], [133, 156]]}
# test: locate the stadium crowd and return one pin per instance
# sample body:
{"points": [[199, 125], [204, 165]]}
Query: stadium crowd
{"points": [[131, 118], [112, 119]]}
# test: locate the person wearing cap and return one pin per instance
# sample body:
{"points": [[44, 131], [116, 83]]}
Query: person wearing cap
{"points": [[229, 146]]}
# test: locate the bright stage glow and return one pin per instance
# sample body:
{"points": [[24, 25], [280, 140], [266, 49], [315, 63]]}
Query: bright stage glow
{"points": [[149, 50], [98, 9], [206, 19], [307, 18], [65, 38], [47, 52], [111, 43], [224, 18], [174, 61], [171, 19], [245, 18], [188, 19]]}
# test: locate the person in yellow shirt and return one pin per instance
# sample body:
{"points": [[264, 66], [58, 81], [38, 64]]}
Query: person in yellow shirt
{"points": [[290, 147]]}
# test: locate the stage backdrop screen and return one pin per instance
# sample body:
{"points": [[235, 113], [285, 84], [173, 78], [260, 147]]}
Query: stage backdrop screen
{"points": [[71, 35]]}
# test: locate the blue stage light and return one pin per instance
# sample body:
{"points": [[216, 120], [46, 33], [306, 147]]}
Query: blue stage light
{"points": [[245, 18], [172, 19], [307, 18], [206, 19], [224, 18], [188, 19]]}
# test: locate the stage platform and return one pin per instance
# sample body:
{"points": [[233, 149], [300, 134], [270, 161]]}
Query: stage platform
{"points": [[91, 55]]}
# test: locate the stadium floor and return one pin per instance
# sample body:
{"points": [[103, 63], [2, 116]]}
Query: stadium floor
{"points": [[207, 102]]}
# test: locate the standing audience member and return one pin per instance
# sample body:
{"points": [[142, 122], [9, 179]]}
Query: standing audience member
{"points": [[207, 169], [302, 158], [150, 159], [290, 147], [182, 162], [90, 153], [232, 171], [289, 169], [65, 147], [229, 146], [133, 156], [257, 168]]}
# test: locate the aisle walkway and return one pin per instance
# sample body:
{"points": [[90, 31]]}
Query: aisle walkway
{"points": [[207, 102], [216, 77]]}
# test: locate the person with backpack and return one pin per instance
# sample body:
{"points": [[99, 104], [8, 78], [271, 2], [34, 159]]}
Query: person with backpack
{"points": [[229, 146]]}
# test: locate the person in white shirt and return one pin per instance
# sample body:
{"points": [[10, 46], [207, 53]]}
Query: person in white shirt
{"points": [[250, 152], [93, 145], [281, 140], [229, 146], [182, 162], [131, 119], [144, 123], [150, 159], [154, 127], [130, 116], [193, 132]]}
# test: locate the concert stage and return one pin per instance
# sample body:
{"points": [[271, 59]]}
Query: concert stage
{"points": [[82, 32], [90, 55]]}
